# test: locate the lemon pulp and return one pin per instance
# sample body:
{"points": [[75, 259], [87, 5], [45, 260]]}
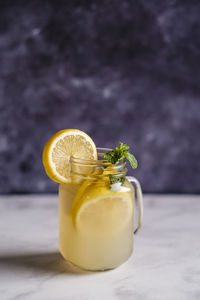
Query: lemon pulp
{"points": [[59, 149]]}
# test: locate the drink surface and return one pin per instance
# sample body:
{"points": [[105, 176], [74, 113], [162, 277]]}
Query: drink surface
{"points": [[95, 224]]}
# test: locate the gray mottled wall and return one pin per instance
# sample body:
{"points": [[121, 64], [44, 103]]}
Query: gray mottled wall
{"points": [[119, 70]]}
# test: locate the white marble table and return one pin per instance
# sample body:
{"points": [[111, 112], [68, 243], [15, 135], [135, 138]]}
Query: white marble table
{"points": [[165, 264]]}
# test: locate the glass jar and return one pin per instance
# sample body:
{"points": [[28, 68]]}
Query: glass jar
{"points": [[96, 214]]}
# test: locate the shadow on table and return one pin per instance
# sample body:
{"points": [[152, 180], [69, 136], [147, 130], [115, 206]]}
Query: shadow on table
{"points": [[41, 262]]}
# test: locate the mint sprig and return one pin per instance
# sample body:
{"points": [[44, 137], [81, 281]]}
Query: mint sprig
{"points": [[115, 155]]}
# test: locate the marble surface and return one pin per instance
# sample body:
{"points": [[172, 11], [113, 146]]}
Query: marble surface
{"points": [[165, 264]]}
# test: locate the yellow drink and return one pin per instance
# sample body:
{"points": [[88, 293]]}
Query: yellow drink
{"points": [[95, 224]]}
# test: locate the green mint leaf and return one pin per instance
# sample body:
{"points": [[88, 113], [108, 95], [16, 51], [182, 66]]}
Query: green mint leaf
{"points": [[115, 179], [108, 157], [122, 180], [123, 147], [132, 160], [112, 156]]}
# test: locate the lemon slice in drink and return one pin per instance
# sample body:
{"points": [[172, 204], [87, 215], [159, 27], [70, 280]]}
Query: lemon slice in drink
{"points": [[59, 149], [97, 211]]}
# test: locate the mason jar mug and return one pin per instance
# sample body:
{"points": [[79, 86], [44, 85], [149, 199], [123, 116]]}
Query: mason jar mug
{"points": [[96, 213]]}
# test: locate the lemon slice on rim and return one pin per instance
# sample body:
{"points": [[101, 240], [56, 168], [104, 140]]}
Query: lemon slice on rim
{"points": [[59, 149], [97, 211]]}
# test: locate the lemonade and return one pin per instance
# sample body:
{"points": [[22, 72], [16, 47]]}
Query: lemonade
{"points": [[96, 201], [104, 242]]}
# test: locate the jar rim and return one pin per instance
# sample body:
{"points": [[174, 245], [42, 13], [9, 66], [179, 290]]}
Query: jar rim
{"points": [[100, 161]]}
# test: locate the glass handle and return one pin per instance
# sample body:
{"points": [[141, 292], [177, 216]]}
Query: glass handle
{"points": [[138, 193]]}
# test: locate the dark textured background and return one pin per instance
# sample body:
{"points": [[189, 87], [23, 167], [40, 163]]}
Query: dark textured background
{"points": [[119, 70]]}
